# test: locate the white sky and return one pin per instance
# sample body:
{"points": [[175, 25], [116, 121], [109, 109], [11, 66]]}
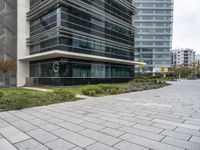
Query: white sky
{"points": [[187, 24]]}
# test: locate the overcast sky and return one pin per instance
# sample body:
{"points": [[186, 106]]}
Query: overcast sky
{"points": [[187, 24]]}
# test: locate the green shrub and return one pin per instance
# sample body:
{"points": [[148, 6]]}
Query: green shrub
{"points": [[92, 90], [15, 100], [1, 94], [62, 95]]}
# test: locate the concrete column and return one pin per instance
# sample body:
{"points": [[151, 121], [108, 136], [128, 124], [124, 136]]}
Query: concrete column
{"points": [[23, 32]]}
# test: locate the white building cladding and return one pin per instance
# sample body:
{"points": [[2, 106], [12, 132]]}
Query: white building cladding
{"points": [[154, 33], [183, 57]]}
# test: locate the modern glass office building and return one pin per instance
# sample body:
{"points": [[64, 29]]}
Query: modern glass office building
{"points": [[153, 39], [64, 42]]}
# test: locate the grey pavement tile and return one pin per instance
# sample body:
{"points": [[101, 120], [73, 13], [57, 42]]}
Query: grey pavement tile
{"points": [[49, 127], [187, 131], [176, 135], [177, 124], [148, 128], [94, 120], [181, 143], [116, 120], [38, 122], [23, 115], [70, 119], [137, 120], [92, 126], [30, 144], [112, 125], [55, 120], [71, 126], [13, 134], [5, 145], [99, 146], [106, 139], [143, 133], [195, 139], [3, 124], [155, 145], [59, 144], [13, 119], [74, 138], [42, 135], [164, 126], [144, 118], [24, 125], [77, 148], [129, 146], [112, 132]]}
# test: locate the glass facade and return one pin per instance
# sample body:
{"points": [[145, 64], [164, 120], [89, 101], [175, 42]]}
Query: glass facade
{"points": [[99, 27]]}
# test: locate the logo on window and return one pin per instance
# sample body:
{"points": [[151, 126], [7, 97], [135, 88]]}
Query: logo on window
{"points": [[56, 67]]}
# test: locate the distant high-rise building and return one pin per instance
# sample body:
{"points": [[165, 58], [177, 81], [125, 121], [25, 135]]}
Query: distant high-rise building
{"points": [[153, 39], [183, 57], [197, 59]]}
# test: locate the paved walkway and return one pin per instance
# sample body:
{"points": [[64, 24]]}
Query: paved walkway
{"points": [[163, 119]]}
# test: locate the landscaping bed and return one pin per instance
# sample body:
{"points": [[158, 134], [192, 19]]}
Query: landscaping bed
{"points": [[19, 98]]}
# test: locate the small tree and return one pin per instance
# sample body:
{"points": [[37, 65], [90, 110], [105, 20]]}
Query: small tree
{"points": [[5, 66]]}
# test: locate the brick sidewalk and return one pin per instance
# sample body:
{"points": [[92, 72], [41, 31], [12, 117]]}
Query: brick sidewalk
{"points": [[162, 119]]}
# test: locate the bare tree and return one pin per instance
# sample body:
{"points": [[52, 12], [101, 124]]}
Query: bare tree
{"points": [[5, 66]]}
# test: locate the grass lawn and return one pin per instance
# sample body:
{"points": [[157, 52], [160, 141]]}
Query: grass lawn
{"points": [[76, 89], [19, 98]]}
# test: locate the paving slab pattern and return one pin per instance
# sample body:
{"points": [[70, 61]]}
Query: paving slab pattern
{"points": [[161, 119]]}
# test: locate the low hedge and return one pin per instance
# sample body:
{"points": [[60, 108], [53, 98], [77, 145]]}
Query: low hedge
{"points": [[132, 86], [15, 100]]}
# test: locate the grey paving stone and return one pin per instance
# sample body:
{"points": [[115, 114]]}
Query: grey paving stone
{"points": [[59, 144], [23, 115], [49, 127], [148, 143], [106, 139], [120, 121], [177, 124], [92, 126], [3, 123], [77, 148], [30, 144], [38, 122], [42, 135], [129, 146], [70, 119], [176, 135], [55, 120], [163, 126], [143, 133], [99, 146], [74, 138], [148, 128], [71, 126], [181, 143], [137, 120], [144, 118], [13, 134], [112, 125], [187, 131], [94, 120], [195, 139], [24, 125], [112, 132], [5, 145]]}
